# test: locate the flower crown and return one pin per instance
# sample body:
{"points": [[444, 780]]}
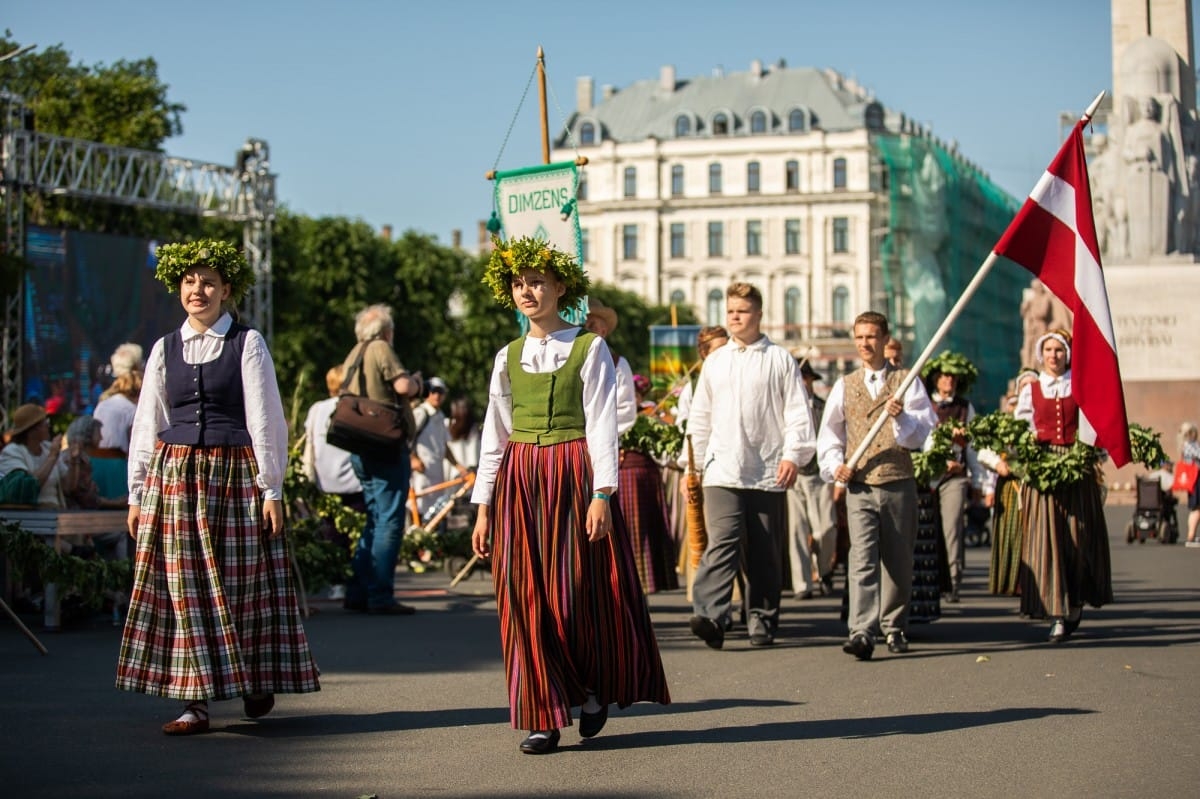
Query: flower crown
{"points": [[174, 260], [508, 259]]}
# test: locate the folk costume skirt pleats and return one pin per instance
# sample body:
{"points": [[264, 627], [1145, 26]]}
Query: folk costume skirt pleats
{"points": [[573, 618], [1007, 534], [1065, 558], [213, 612], [643, 509]]}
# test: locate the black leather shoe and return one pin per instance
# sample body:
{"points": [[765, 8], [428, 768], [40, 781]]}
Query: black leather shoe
{"points": [[708, 631], [897, 643], [257, 705], [590, 724], [540, 743], [860, 646], [1071, 625], [398, 609]]}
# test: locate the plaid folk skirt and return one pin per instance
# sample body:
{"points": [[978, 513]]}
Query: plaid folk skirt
{"points": [[213, 613], [573, 618], [643, 509]]}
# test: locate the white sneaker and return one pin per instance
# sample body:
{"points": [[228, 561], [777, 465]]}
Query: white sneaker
{"points": [[1192, 544]]}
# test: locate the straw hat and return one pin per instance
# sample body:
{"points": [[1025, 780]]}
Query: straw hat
{"points": [[26, 417], [602, 312]]}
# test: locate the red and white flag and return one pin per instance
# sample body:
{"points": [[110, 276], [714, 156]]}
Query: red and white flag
{"points": [[1054, 237]]}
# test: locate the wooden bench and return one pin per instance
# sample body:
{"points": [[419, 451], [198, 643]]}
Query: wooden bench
{"points": [[61, 528]]}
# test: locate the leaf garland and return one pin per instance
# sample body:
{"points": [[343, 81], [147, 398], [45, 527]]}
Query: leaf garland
{"points": [[929, 465], [88, 578], [654, 438]]}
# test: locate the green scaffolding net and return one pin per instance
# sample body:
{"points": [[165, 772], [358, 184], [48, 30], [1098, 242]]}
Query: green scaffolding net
{"points": [[944, 216]]}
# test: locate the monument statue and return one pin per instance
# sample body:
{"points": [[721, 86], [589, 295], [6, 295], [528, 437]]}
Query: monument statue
{"points": [[1041, 311]]}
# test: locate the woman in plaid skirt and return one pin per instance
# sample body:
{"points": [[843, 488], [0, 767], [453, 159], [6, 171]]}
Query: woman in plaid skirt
{"points": [[574, 625], [213, 612]]}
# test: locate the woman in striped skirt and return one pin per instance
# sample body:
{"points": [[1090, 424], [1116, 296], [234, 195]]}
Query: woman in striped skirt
{"points": [[213, 612], [1064, 557], [1002, 491], [574, 624]]}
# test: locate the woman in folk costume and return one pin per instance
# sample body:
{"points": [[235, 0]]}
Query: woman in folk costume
{"points": [[1001, 493], [573, 621], [213, 612], [1064, 557]]}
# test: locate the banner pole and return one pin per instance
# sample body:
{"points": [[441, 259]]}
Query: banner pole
{"points": [[545, 119]]}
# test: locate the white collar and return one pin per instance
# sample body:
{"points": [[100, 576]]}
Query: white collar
{"points": [[218, 330]]}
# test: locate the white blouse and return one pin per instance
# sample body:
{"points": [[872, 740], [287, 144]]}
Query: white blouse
{"points": [[264, 409], [1051, 387], [538, 356]]}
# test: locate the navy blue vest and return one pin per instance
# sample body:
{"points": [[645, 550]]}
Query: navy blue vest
{"points": [[206, 400]]}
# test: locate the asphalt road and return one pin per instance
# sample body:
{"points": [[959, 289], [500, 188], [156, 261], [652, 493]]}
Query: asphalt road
{"points": [[415, 707]]}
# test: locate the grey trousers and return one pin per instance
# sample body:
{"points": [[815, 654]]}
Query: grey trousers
{"points": [[810, 512], [883, 530], [742, 520], [952, 501]]}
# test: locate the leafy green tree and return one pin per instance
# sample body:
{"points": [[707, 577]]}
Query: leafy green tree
{"points": [[634, 318]]}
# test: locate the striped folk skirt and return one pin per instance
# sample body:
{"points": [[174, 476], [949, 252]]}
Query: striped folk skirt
{"points": [[213, 612], [1064, 557], [573, 618], [643, 508], [1007, 535]]}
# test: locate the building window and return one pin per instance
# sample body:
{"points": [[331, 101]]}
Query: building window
{"points": [[683, 126], [841, 234], [791, 313], [839, 173], [791, 174], [677, 240], [677, 180], [841, 305], [678, 297], [753, 177], [796, 120], [581, 189], [791, 236], [631, 181], [753, 237], [587, 134], [715, 308], [716, 239], [629, 242], [758, 122], [585, 251], [714, 178], [720, 125]]}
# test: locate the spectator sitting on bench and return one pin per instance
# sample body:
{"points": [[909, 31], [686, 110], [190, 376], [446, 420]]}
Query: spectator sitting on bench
{"points": [[30, 468], [78, 486]]}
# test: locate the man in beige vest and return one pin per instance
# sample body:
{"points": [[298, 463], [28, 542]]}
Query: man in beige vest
{"points": [[881, 494]]}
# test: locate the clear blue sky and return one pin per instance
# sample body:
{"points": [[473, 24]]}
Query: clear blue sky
{"points": [[392, 111]]}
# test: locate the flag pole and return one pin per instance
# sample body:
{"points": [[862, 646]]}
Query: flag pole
{"points": [[936, 339]]}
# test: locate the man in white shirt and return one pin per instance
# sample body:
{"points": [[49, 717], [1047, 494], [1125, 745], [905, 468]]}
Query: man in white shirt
{"points": [[431, 445], [751, 429], [881, 494]]}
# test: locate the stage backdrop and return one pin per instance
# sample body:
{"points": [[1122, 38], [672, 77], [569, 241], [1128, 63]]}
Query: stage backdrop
{"points": [[85, 294]]}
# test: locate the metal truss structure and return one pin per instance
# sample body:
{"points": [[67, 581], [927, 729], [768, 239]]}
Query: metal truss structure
{"points": [[40, 163]]}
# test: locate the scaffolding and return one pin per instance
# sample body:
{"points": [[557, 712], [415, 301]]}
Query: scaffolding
{"points": [[35, 163]]}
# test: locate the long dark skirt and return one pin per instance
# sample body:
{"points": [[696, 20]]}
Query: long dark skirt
{"points": [[573, 618], [1064, 558], [213, 613], [643, 507], [1007, 535]]}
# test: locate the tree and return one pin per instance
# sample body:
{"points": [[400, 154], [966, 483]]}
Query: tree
{"points": [[634, 318]]}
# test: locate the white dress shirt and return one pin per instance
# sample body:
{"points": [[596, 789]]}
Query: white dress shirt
{"points": [[627, 407], [1051, 387], [265, 421], [115, 415], [540, 355], [750, 411], [910, 428]]}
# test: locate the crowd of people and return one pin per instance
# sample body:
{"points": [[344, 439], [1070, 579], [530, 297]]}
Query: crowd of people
{"points": [[193, 443]]}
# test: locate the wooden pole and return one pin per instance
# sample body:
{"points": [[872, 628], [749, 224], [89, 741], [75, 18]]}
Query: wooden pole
{"points": [[21, 626], [545, 119]]}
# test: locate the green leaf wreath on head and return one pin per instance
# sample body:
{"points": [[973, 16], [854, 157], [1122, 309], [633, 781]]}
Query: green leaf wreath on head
{"points": [[951, 363], [508, 259], [174, 261]]}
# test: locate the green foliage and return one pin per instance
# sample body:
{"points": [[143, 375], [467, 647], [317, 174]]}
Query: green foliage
{"points": [[87, 578], [310, 517], [634, 318], [428, 547], [653, 437], [1146, 446], [509, 259], [951, 363], [174, 260], [929, 465]]}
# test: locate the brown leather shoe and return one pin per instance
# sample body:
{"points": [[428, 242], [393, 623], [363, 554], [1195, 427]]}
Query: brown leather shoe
{"points": [[180, 727], [257, 705]]}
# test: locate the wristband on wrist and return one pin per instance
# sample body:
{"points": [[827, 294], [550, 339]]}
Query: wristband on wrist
{"points": [[600, 495]]}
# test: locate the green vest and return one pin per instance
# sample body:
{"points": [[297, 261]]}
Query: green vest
{"points": [[547, 408]]}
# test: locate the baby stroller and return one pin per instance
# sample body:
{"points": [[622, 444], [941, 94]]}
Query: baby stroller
{"points": [[1154, 514]]}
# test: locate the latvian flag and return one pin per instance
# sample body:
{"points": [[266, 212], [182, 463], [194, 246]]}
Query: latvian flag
{"points": [[1054, 237]]}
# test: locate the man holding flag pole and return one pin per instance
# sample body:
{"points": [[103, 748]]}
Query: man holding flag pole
{"points": [[1054, 237]]}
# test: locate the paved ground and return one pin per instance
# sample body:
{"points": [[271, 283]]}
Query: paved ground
{"points": [[415, 707]]}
